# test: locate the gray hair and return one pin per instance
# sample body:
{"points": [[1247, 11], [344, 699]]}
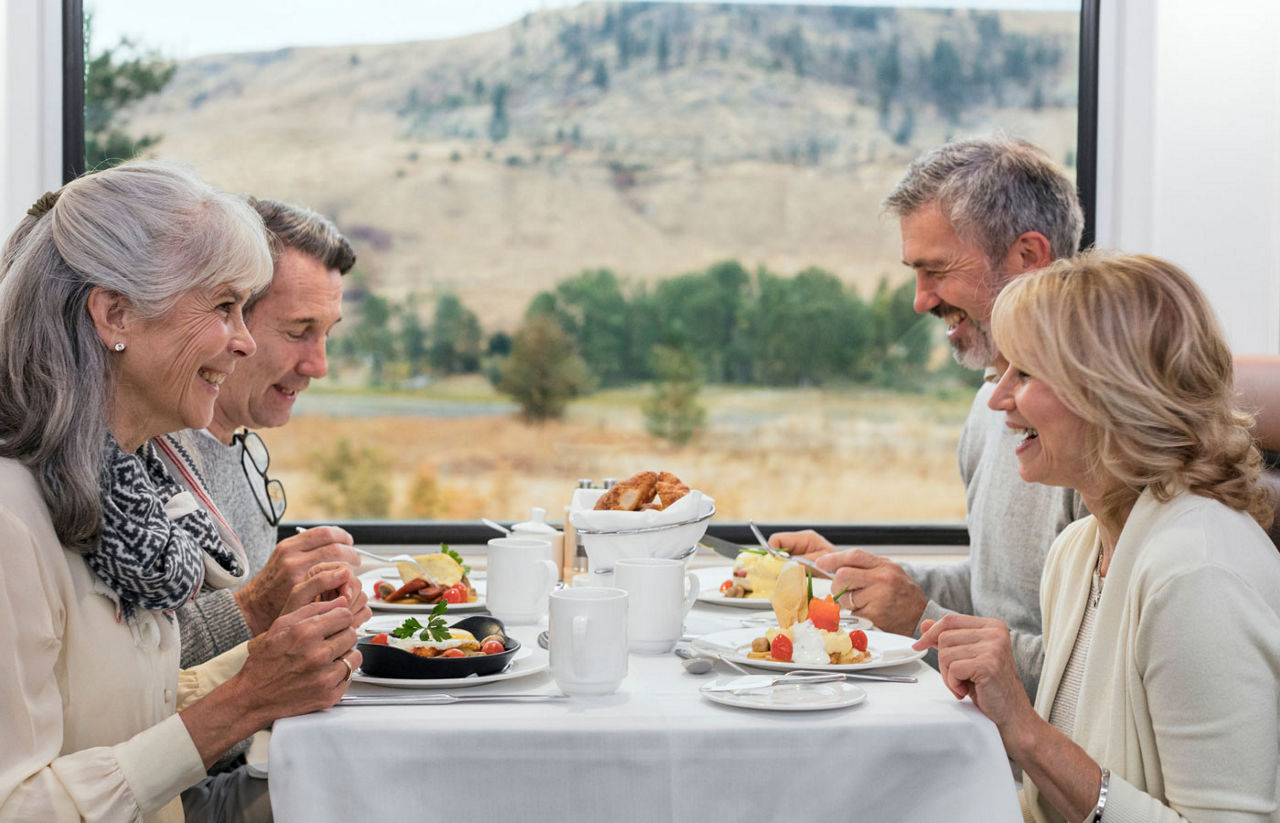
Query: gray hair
{"points": [[993, 191], [149, 231]]}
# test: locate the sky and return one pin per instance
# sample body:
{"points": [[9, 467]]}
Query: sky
{"points": [[188, 29]]}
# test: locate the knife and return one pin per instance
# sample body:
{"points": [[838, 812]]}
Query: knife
{"points": [[442, 699], [722, 547]]}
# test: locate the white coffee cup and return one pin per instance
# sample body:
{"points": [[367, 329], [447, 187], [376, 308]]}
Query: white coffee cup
{"points": [[520, 575], [588, 643], [660, 594]]}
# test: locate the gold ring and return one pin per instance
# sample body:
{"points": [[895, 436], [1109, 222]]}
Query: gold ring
{"points": [[350, 671]]}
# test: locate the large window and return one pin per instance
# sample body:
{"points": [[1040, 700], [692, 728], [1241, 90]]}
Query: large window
{"points": [[602, 237]]}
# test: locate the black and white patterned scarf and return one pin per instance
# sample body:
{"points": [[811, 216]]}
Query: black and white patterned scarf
{"points": [[154, 535]]}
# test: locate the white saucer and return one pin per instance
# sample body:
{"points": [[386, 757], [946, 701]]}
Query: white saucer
{"points": [[792, 698]]}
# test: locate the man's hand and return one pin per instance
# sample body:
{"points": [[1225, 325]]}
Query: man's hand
{"points": [[262, 599], [807, 542], [878, 589]]}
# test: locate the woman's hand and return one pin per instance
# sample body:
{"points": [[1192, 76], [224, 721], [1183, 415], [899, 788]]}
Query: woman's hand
{"points": [[975, 658], [329, 581], [298, 665], [301, 664]]}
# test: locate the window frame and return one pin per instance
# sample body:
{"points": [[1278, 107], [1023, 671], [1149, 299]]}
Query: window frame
{"points": [[409, 532]]}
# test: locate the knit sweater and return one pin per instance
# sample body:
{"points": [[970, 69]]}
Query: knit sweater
{"points": [[1181, 691], [1011, 524], [213, 622]]}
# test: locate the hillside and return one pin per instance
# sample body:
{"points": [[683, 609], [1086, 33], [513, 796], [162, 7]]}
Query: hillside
{"points": [[648, 138]]}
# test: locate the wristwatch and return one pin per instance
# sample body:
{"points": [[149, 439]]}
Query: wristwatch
{"points": [[1096, 815]]}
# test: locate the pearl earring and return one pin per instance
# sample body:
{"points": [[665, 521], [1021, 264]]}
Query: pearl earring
{"points": [[119, 346]]}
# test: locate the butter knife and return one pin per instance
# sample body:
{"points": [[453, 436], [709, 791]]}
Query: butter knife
{"points": [[442, 699]]}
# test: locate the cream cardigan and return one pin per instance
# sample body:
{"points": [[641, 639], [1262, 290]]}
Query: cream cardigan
{"points": [[1181, 691], [87, 723]]}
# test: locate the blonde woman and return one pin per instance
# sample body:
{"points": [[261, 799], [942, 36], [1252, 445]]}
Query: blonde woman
{"points": [[1161, 683]]}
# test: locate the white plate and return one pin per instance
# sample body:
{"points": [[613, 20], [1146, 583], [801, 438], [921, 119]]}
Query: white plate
{"points": [[369, 578], [797, 698], [709, 581], [886, 650], [523, 663], [848, 622]]}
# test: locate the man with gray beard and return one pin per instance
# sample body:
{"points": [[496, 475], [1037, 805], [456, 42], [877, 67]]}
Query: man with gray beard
{"points": [[973, 215]]}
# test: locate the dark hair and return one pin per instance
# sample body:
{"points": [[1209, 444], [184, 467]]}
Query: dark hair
{"points": [[293, 227]]}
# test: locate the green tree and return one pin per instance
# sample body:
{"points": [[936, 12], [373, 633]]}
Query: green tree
{"points": [[352, 481], [544, 371], [593, 310], [115, 79], [947, 79], [888, 77], [413, 338], [601, 76], [672, 411], [499, 123], [455, 337], [372, 338], [806, 330], [708, 312]]}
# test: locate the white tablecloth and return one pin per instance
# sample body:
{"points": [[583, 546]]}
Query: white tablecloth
{"points": [[654, 751]]}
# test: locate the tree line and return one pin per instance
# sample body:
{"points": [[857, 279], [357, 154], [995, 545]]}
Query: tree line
{"points": [[722, 325]]}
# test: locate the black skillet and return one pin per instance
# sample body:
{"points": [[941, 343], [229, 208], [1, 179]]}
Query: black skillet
{"points": [[388, 661]]}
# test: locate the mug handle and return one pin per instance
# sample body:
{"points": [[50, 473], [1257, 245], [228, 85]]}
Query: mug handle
{"points": [[581, 659], [552, 574], [692, 590]]}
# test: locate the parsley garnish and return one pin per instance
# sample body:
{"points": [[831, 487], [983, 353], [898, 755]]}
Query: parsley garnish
{"points": [[434, 630], [444, 549]]}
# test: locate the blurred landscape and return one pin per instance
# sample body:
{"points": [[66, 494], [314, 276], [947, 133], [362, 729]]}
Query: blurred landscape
{"points": [[690, 192]]}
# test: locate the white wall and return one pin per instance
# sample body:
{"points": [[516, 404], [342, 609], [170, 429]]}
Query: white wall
{"points": [[1189, 150], [30, 104]]}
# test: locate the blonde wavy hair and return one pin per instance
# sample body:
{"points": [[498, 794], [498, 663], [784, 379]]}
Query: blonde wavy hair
{"points": [[1131, 345]]}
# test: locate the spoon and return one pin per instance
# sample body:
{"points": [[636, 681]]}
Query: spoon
{"points": [[495, 525], [693, 662], [751, 682], [803, 561]]}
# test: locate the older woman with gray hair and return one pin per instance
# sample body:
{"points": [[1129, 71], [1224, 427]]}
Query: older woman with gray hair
{"points": [[1160, 694], [120, 315]]}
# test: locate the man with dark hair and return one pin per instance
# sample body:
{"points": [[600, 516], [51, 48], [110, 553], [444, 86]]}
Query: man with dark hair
{"points": [[974, 215], [290, 322]]}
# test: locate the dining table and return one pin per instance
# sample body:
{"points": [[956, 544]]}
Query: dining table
{"points": [[655, 750]]}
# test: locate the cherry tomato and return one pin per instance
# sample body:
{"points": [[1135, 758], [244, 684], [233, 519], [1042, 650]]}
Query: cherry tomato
{"points": [[453, 653], [382, 590], [859, 639], [380, 639], [780, 648], [457, 593], [493, 647], [825, 614], [725, 586]]}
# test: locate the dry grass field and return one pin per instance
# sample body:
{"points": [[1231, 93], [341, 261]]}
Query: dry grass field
{"points": [[799, 455]]}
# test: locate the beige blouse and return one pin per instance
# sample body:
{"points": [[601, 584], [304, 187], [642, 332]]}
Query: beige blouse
{"points": [[87, 704]]}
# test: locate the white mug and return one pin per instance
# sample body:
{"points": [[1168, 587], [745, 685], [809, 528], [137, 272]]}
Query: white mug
{"points": [[520, 576], [660, 594], [588, 644]]}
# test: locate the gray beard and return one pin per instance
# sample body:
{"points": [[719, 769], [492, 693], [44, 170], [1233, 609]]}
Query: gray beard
{"points": [[976, 351]]}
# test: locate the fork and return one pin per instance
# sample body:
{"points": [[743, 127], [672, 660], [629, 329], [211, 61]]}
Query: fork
{"points": [[399, 558], [803, 561]]}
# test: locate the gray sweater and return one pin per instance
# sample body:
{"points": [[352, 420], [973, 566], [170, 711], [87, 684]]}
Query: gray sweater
{"points": [[1011, 523], [213, 623]]}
